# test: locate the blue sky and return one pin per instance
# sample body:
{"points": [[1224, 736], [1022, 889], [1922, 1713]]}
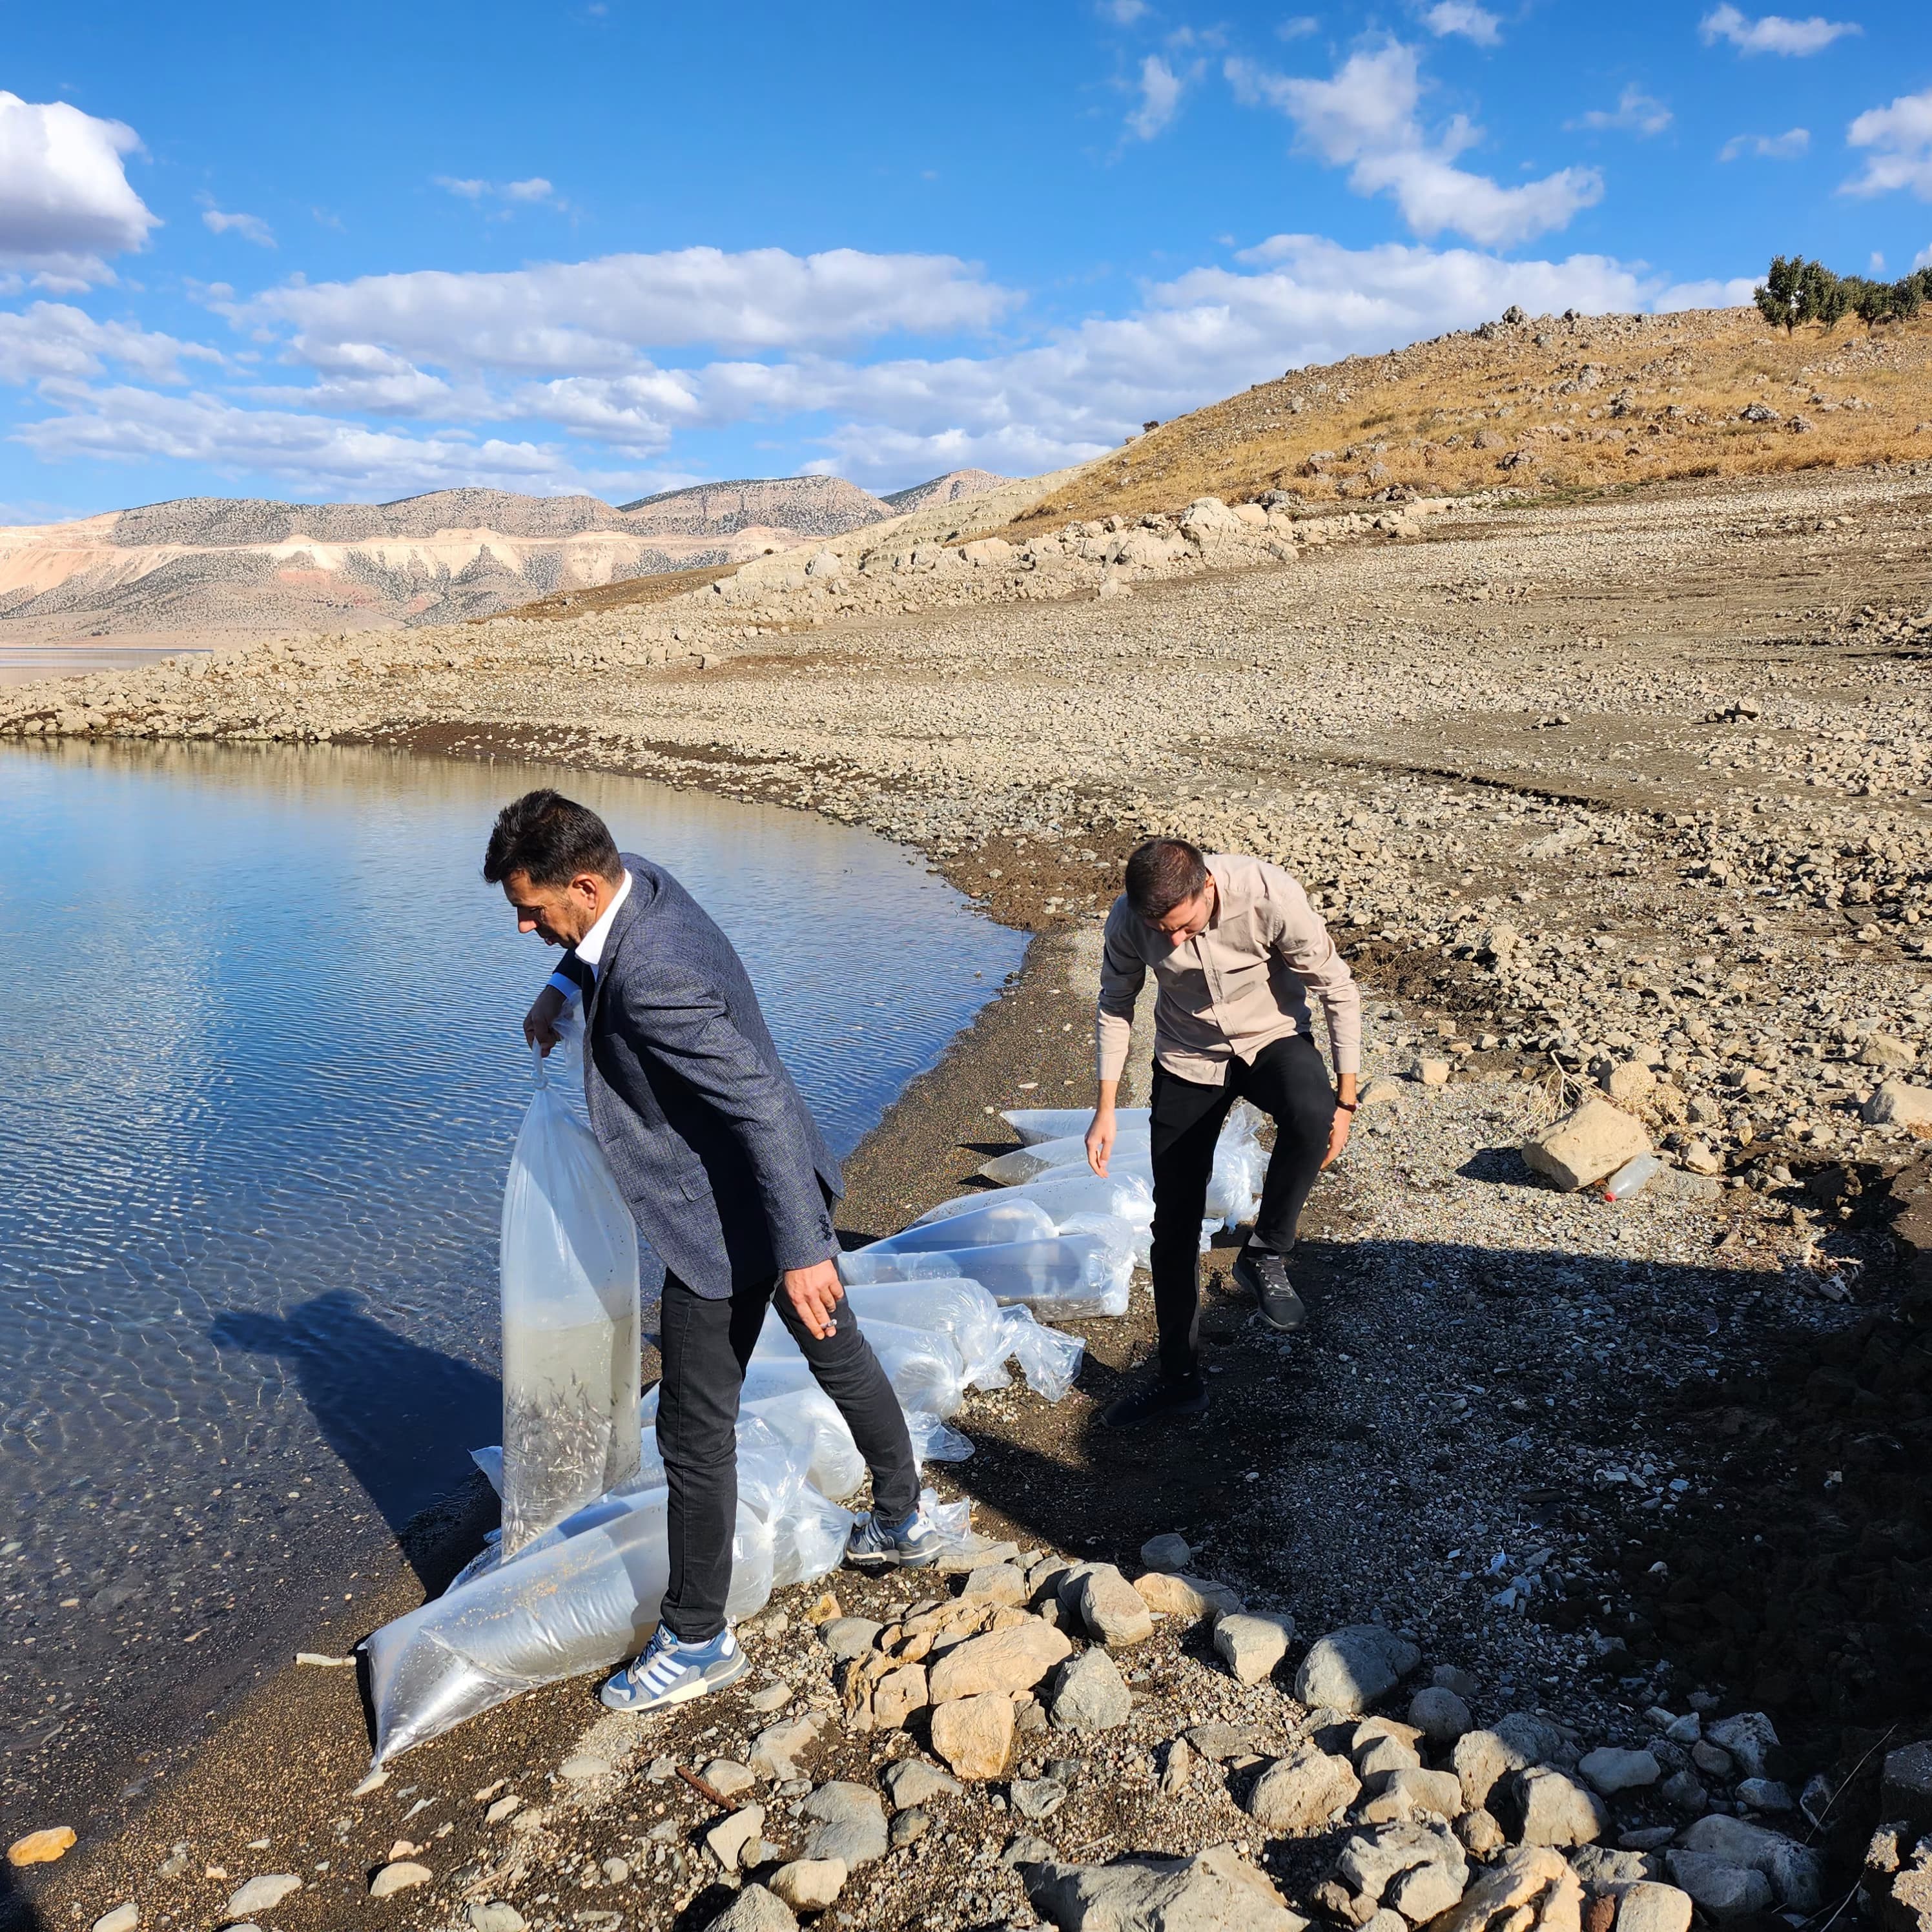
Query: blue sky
{"points": [[621, 246]]}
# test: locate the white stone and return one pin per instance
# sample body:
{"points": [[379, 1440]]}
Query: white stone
{"points": [[1609, 1770], [1896, 1103], [1251, 1644], [1587, 1145], [261, 1894], [123, 1918]]}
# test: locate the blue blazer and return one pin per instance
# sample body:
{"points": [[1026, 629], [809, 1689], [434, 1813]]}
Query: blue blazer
{"points": [[728, 1178]]}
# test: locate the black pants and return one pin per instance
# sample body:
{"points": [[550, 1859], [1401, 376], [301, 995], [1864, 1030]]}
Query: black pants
{"points": [[1288, 1080], [706, 1345]]}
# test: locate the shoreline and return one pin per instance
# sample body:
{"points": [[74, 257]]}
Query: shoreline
{"points": [[191, 1799], [1579, 1363]]}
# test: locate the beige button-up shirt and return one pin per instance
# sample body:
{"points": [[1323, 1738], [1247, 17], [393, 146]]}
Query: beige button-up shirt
{"points": [[1245, 981]]}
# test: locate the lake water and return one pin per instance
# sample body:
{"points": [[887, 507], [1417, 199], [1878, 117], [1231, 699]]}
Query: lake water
{"points": [[264, 1070]]}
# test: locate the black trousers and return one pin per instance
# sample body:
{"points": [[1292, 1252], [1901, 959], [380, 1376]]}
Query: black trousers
{"points": [[1288, 1080], [706, 1344]]}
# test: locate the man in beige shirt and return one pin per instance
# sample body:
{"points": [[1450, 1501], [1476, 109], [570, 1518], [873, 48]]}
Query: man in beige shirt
{"points": [[1237, 952]]}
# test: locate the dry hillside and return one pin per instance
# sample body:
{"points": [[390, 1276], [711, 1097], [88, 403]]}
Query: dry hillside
{"points": [[1554, 403]]}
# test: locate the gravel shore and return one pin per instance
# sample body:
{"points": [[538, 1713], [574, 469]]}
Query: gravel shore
{"points": [[1632, 789]]}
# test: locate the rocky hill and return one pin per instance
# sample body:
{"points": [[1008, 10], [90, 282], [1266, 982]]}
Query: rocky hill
{"points": [[1542, 404], [250, 565], [950, 488]]}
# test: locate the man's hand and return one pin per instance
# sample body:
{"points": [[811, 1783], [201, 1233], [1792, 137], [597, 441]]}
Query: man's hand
{"points": [[815, 1293], [1338, 1134], [540, 1022], [1101, 1135]]}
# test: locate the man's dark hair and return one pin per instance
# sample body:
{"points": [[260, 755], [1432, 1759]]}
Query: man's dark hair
{"points": [[1161, 873], [551, 839]]}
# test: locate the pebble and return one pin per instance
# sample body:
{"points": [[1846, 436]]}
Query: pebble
{"points": [[730, 1838], [1168, 1551], [403, 1875], [1036, 1798], [497, 1914], [261, 1894], [728, 1777], [123, 1918], [850, 1636]]}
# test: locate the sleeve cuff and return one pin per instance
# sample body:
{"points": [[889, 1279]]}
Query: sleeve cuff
{"points": [[565, 985]]}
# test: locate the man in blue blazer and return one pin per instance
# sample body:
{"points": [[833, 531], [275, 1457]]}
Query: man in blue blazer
{"points": [[731, 1184]]}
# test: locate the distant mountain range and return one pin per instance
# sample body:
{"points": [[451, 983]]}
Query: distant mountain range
{"points": [[229, 564]]}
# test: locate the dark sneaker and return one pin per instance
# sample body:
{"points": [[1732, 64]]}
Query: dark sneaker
{"points": [[1160, 1401], [917, 1543], [1265, 1275]]}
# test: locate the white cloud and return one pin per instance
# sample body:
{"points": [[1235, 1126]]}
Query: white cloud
{"points": [[250, 227], [1365, 119], [1297, 27], [125, 424], [1160, 90], [65, 201], [1636, 112], [597, 316], [536, 191], [1773, 34], [1460, 16], [1900, 137], [55, 340], [1123, 13], [1786, 147]]}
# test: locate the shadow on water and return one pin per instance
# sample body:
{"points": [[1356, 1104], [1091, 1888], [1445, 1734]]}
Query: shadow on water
{"points": [[402, 1418]]}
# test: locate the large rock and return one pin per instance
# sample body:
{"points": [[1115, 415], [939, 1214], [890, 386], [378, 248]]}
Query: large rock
{"points": [[1531, 1887], [754, 1910], [915, 1782], [850, 1636], [1540, 1741], [1371, 1862], [975, 1734], [1482, 1760], [1009, 1660], [898, 1694], [1898, 1103], [1349, 1668], [849, 1824], [1090, 1694], [1301, 1792], [1543, 1806], [1796, 1873], [1216, 1891], [1168, 1551], [1252, 1646], [1113, 1610], [1647, 1906], [400, 1875], [1905, 1791], [1192, 1598], [1610, 1771], [730, 1838], [1425, 1891], [1724, 1890], [810, 1885], [776, 1750], [1411, 1790], [1588, 1144], [1438, 1713], [1750, 1739], [1209, 516]]}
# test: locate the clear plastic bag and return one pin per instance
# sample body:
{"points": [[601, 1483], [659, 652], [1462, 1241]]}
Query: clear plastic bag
{"points": [[925, 1367], [1053, 1124], [1068, 1277], [568, 1256], [1126, 1196], [987, 1335], [583, 1596], [1005, 1216], [1025, 1163]]}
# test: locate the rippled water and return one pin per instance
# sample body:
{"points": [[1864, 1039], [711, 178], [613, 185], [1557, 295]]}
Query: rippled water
{"points": [[263, 1074]]}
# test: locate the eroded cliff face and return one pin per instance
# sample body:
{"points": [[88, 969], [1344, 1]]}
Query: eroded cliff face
{"points": [[250, 565]]}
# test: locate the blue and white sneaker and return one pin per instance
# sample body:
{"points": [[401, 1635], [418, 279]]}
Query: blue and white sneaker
{"points": [[915, 1543], [671, 1672]]}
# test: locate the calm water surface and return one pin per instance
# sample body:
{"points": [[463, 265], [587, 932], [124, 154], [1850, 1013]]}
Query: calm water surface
{"points": [[264, 1071]]}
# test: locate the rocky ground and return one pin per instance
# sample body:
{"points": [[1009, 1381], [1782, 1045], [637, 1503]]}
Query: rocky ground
{"points": [[1628, 796]]}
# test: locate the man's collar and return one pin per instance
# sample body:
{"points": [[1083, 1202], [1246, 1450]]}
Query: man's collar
{"points": [[590, 948]]}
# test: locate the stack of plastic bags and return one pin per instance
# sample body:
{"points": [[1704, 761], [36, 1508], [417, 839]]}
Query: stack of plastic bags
{"points": [[1058, 1238]]}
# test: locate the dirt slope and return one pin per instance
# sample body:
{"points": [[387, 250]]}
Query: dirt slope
{"points": [[1550, 402]]}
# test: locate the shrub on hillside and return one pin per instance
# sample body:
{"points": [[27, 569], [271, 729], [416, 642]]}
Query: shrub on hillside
{"points": [[1794, 290]]}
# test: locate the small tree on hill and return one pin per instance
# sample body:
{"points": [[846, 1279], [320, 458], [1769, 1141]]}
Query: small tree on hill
{"points": [[1778, 295], [1822, 297]]}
